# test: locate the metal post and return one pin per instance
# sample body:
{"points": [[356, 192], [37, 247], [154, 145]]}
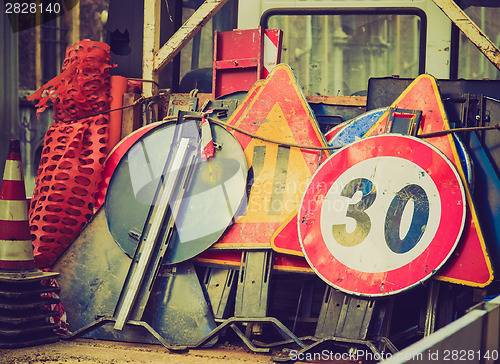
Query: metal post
{"points": [[471, 30]]}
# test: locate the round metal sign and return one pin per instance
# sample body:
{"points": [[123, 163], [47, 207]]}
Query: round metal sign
{"points": [[381, 215], [355, 128], [215, 193]]}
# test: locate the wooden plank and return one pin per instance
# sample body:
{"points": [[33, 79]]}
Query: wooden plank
{"points": [[72, 21], [131, 117], [38, 52], [151, 44], [471, 30], [337, 100], [355, 101], [185, 33]]}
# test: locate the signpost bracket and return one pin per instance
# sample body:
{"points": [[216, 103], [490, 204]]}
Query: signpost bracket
{"points": [[252, 321], [344, 315], [105, 320], [220, 283], [223, 108], [181, 103], [253, 286], [344, 320]]}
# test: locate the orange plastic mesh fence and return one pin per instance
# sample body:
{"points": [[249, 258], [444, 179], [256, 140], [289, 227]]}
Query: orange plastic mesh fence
{"points": [[74, 151]]}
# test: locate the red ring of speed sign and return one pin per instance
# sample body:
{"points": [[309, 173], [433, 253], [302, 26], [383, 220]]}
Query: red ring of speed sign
{"points": [[381, 215]]}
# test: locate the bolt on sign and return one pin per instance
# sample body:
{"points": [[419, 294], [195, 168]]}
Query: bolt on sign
{"points": [[382, 215], [278, 173], [470, 264]]}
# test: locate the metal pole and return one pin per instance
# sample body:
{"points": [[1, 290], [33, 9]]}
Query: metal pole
{"points": [[471, 30]]}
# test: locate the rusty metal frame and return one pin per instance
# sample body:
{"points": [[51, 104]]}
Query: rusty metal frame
{"points": [[106, 320], [470, 30], [156, 57], [231, 322]]}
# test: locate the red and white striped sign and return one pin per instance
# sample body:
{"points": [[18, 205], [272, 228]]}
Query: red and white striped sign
{"points": [[272, 49], [207, 142]]}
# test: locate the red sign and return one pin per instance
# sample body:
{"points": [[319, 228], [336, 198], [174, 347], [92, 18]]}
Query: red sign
{"points": [[471, 264], [382, 215], [114, 158], [278, 174], [286, 238], [242, 57], [232, 258]]}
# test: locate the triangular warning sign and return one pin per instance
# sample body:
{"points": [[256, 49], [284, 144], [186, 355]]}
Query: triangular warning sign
{"points": [[275, 109], [470, 264], [286, 238]]}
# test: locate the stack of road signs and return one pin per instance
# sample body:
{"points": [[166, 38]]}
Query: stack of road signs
{"points": [[372, 220], [275, 109], [23, 322], [369, 220], [470, 264]]}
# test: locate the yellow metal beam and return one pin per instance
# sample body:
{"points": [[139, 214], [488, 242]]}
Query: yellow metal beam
{"points": [[471, 30]]}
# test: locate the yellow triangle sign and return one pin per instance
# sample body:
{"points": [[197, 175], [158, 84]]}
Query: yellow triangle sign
{"points": [[275, 109], [470, 263]]}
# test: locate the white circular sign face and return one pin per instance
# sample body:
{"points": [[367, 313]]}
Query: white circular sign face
{"points": [[381, 215], [377, 177]]}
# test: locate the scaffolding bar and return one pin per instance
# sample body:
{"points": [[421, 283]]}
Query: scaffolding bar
{"points": [[471, 30]]}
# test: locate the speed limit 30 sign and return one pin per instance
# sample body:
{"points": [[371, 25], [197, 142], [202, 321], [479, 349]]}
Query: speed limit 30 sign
{"points": [[381, 215]]}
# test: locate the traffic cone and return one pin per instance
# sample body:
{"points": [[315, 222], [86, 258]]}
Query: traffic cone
{"points": [[24, 295], [16, 251]]}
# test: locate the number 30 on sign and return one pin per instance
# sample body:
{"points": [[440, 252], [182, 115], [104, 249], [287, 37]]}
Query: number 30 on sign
{"points": [[381, 215]]}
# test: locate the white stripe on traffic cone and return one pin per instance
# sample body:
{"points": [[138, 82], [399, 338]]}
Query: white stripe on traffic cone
{"points": [[16, 251]]}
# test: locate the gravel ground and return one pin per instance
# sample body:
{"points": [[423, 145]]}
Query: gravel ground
{"points": [[87, 351]]}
